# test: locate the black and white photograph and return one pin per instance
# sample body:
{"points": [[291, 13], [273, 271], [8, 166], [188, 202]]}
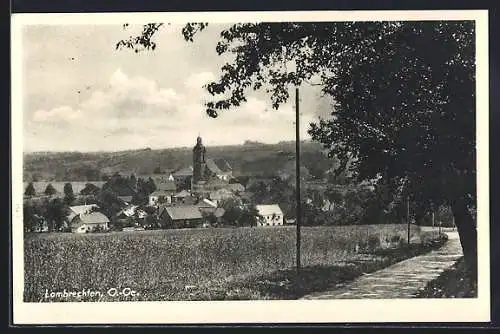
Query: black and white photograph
{"points": [[250, 167]]}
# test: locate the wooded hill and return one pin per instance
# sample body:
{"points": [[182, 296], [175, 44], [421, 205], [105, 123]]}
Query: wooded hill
{"points": [[250, 159]]}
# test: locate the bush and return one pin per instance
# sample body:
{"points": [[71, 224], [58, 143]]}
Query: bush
{"points": [[373, 242]]}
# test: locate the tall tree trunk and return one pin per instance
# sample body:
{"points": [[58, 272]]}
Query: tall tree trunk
{"points": [[468, 235]]}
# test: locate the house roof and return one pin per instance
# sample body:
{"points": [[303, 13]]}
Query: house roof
{"points": [[91, 218], [235, 187], [80, 209], [183, 212], [220, 194], [127, 211], [166, 186], [245, 195], [127, 199], [223, 165], [161, 193], [183, 193], [212, 166], [208, 202], [268, 209], [187, 171]]}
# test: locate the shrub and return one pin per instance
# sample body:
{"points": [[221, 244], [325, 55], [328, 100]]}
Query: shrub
{"points": [[373, 242]]}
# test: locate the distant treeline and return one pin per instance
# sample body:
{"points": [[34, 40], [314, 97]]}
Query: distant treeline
{"points": [[248, 159]]}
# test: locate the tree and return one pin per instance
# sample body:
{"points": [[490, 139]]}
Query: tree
{"points": [[30, 190], [69, 196], [57, 211], [150, 186], [49, 190], [132, 181], [29, 220], [90, 189], [398, 110]]}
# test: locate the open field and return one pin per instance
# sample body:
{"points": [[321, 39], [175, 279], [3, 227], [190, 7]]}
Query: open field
{"points": [[210, 264]]}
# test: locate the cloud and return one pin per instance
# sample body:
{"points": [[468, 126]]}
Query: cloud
{"points": [[197, 80], [135, 112], [63, 113]]}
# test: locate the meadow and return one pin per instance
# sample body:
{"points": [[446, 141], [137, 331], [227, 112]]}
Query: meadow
{"points": [[212, 264]]}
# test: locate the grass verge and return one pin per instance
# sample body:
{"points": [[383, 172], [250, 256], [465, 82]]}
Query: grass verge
{"points": [[452, 283], [290, 284]]}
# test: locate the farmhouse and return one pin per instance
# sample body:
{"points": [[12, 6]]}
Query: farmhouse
{"points": [[130, 211], [183, 196], [220, 195], [80, 209], [181, 216], [160, 196], [183, 173], [269, 215], [88, 222]]}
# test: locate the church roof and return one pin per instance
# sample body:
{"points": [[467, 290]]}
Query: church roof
{"points": [[212, 166]]}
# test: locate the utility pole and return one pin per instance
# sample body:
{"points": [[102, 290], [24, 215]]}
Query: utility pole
{"points": [[432, 218], [408, 216], [297, 174]]}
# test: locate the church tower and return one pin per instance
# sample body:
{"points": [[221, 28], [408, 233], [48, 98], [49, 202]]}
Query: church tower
{"points": [[198, 161]]}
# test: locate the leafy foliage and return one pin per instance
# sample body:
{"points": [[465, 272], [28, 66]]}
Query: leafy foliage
{"points": [[50, 190], [30, 190], [403, 92], [69, 196]]}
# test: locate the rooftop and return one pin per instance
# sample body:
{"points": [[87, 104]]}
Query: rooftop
{"points": [[183, 212], [268, 209]]}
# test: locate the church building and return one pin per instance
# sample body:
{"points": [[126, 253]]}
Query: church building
{"points": [[208, 174]]}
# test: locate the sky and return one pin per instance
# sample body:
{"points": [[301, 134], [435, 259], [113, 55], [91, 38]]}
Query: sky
{"points": [[81, 94]]}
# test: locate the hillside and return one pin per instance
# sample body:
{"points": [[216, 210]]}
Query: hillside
{"points": [[248, 159]]}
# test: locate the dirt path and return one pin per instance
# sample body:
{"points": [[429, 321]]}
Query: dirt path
{"points": [[401, 280]]}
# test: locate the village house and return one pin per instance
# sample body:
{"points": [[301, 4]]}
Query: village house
{"points": [[80, 209], [163, 193], [183, 197], [88, 222], [269, 215], [181, 216], [159, 197], [131, 211], [220, 195], [182, 174]]}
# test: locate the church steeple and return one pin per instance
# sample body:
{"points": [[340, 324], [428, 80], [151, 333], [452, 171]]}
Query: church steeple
{"points": [[198, 160]]}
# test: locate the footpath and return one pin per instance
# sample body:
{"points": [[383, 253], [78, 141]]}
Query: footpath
{"points": [[401, 280]]}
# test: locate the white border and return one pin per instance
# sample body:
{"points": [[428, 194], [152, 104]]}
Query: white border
{"points": [[391, 310]]}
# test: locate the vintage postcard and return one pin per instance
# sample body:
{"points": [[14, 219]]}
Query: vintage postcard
{"points": [[250, 167]]}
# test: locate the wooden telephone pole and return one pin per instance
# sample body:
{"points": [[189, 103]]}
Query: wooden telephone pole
{"points": [[408, 216], [297, 175]]}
